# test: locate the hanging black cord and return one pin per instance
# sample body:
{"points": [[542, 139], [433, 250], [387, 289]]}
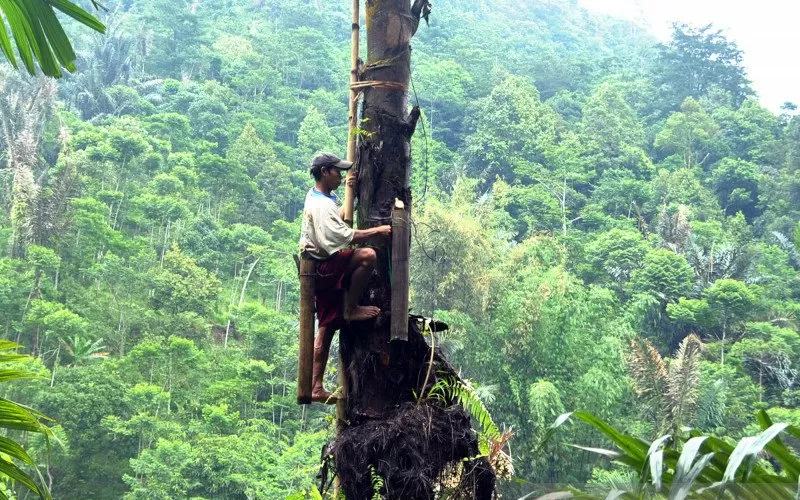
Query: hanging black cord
{"points": [[425, 134]]}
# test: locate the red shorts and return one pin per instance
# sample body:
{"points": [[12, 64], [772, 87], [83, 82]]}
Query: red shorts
{"points": [[329, 288]]}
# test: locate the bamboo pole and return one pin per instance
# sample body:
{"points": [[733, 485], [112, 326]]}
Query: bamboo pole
{"points": [[401, 241], [349, 192], [308, 270], [349, 201]]}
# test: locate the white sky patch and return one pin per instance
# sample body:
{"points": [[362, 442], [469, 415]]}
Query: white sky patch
{"points": [[768, 32]]}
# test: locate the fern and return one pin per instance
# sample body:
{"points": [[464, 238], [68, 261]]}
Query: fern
{"points": [[377, 484], [451, 389], [491, 441]]}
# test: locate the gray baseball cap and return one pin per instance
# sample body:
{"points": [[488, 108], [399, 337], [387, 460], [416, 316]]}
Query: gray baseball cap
{"points": [[329, 160]]}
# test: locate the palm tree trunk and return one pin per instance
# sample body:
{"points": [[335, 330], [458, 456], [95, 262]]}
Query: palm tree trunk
{"points": [[382, 379], [383, 171]]}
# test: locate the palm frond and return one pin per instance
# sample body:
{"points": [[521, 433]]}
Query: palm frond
{"points": [[648, 370], [22, 418], [38, 34], [684, 379], [790, 248]]}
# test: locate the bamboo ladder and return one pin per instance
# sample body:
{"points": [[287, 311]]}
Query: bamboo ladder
{"points": [[307, 267]]}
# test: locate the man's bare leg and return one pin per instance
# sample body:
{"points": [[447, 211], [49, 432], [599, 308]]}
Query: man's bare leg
{"points": [[322, 347], [361, 265]]}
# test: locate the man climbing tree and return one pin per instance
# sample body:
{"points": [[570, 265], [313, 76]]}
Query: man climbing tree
{"points": [[342, 272], [388, 428]]}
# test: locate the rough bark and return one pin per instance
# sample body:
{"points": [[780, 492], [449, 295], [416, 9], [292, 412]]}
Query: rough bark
{"points": [[383, 167], [387, 429]]}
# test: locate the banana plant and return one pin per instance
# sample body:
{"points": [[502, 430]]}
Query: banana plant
{"points": [[699, 466], [38, 34]]}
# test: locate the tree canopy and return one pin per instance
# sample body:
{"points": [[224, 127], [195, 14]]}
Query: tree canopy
{"points": [[577, 187]]}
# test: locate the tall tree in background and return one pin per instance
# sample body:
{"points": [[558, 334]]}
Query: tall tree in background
{"points": [[39, 38], [390, 430], [27, 105], [699, 59]]}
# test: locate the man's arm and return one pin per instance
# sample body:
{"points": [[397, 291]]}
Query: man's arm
{"points": [[361, 235]]}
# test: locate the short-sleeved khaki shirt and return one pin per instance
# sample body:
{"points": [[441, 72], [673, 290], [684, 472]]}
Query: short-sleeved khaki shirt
{"points": [[323, 232]]}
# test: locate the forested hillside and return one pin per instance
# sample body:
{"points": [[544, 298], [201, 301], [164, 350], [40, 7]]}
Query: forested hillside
{"points": [[585, 199]]}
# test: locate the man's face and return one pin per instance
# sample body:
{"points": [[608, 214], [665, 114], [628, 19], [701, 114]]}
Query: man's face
{"points": [[332, 177]]}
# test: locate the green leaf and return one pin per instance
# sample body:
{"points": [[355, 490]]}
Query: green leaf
{"points": [[38, 39], [14, 450], [787, 460], [563, 418], [21, 31], [5, 45], [610, 454], [7, 374], [681, 486], [79, 14], [634, 447], [721, 450], [54, 35], [7, 344], [5, 358], [655, 458], [681, 480], [39, 35], [9, 469]]}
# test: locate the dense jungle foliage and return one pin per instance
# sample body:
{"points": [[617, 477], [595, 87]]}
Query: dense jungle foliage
{"points": [[585, 200]]}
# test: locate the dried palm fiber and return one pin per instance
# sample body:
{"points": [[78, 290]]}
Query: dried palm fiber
{"points": [[411, 443]]}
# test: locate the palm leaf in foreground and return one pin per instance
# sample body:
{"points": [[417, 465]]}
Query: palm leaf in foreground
{"points": [[702, 466], [14, 416], [38, 34]]}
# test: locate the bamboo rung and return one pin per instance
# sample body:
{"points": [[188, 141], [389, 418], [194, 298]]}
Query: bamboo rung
{"points": [[308, 270]]}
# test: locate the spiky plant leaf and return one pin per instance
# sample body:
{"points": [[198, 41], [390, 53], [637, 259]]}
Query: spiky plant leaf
{"points": [[648, 370], [707, 466], [655, 458], [631, 446], [787, 460], [683, 381], [603, 452], [682, 485], [747, 450]]}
